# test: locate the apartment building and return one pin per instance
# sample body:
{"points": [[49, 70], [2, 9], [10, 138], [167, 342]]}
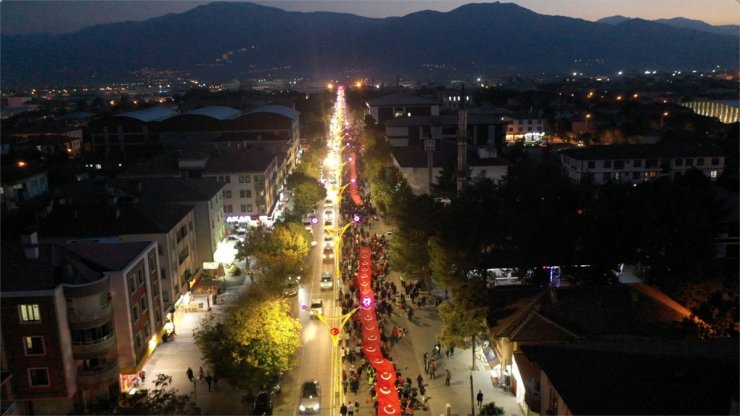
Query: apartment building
{"points": [[170, 226], [78, 320], [638, 163], [249, 177]]}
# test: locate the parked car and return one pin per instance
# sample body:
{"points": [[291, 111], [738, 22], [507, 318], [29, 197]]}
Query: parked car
{"points": [[310, 397], [262, 404], [326, 282]]}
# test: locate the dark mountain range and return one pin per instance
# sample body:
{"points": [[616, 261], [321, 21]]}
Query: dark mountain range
{"points": [[244, 40], [683, 23]]}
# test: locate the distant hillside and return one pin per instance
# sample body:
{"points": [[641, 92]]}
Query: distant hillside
{"points": [[683, 23], [244, 40]]}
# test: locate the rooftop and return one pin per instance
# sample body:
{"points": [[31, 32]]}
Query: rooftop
{"points": [[74, 263], [217, 112], [637, 151], [400, 99], [599, 382], [277, 109], [151, 114], [444, 120], [99, 220]]}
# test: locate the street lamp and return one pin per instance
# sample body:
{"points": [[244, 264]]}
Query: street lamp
{"points": [[588, 116], [662, 116]]}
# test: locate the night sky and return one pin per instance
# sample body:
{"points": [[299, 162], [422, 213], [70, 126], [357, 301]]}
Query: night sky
{"points": [[62, 16]]}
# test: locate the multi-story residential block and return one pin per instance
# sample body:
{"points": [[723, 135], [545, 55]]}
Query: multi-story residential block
{"points": [[78, 320], [413, 162], [638, 162], [249, 177], [171, 226], [398, 105], [204, 195], [485, 133]]}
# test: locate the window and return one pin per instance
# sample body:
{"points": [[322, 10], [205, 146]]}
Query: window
{"points": [[142, 304], [619, 164], [152, 258], [715, 161], [248, 193], [135, 313], [651, 163], [147, 329], [637, 163], [259, 178], [247, 178], [34, 345], [140, 277], [228, 208], [243, 178], [679, 162], [30, 313], [155, 288], [713, 174], [137, 341], [227, 194], [249, 207], [243, 207], [227, 179], [700, 161], [591, 164], [38, 377], [242, 193], [608, 164], [689, 162], [131, 283]]}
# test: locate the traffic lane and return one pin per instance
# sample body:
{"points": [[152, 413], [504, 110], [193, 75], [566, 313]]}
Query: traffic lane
{"points": [[314, 356]]}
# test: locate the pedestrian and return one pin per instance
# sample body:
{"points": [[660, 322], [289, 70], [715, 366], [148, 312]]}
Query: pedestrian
{"points": [[343, 410], [215, 382], [452, 351], [345, 384], [200, 373], [426, 362], [190, 374], [479, 397], [420, 380], [433, 370], [447, 377], [142, 375], [351, 409], [209, 380]]}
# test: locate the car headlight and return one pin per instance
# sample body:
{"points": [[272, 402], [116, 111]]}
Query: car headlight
{"points": [[302, 408], [316, 407]]}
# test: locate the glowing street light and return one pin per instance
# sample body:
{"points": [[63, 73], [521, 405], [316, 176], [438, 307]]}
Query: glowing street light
{"points": [[662, 116]]}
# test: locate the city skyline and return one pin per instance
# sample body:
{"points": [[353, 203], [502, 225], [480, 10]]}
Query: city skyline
{"points": [[24, 17]]}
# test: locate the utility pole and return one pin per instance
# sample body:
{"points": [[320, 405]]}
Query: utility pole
{"points": [[429, 146], [462, 144]]}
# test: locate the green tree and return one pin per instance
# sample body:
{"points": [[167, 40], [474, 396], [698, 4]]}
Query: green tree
{"points": [[307, 192], [258, 338]]}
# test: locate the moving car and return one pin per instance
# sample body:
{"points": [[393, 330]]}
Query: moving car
{"points": [[317, 306], [328, 254], [310, 397], [328, 240], [326, 282]]}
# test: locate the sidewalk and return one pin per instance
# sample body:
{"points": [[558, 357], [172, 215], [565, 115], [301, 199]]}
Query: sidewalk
{"points": [[174, 357], [421, 337]]}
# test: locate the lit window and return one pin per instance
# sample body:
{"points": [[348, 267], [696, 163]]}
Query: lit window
{"points": [[30, 313], [34, 345], [713, 174], [38, 377]]}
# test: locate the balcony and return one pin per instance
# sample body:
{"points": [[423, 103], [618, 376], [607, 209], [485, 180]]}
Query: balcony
{"points": [[90, 318], [93, 348], [103, 373]]}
